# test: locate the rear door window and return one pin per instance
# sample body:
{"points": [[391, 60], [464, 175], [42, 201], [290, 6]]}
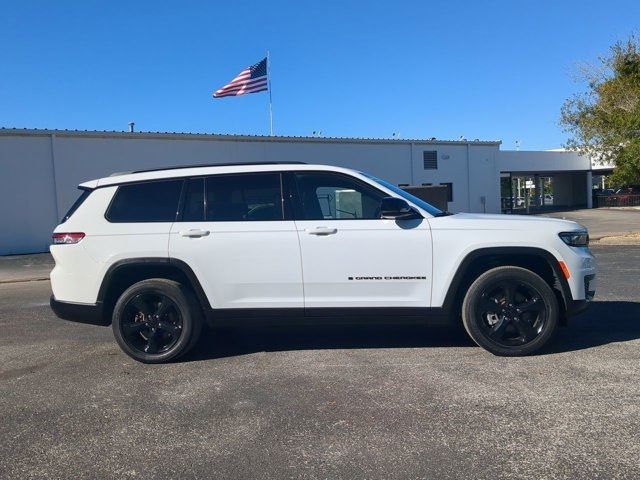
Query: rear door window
{"points": [[155, 201], [194, 201], [234, 198], [237, 198]]}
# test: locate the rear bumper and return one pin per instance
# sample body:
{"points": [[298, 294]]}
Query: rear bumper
{"points": [[92, 313]]}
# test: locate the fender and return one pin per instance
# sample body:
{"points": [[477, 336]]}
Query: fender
{"points": [[459, 278], [160, 262]]}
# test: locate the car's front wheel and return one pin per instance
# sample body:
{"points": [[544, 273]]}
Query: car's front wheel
{"points": [[156, 320], [510, 311]]}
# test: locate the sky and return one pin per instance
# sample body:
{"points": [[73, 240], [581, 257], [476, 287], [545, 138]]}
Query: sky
{"points": [[494, 70]]}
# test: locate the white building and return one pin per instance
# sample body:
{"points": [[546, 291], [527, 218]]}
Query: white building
{"points": [[40, 169]]}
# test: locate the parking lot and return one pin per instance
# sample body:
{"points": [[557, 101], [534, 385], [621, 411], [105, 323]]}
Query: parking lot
{"points": [[603, 222], [324, 402]]}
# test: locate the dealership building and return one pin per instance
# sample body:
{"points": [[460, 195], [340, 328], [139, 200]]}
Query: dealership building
{"points": [[40, 169]]}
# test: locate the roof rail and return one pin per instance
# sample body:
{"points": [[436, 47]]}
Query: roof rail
{"points": [[232, 164]]}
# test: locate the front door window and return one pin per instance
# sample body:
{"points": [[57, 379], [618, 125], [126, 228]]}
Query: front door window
{"points": [[326, 196]]}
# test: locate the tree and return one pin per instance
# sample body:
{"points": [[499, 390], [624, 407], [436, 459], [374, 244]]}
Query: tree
{"points": [[604, 121]]}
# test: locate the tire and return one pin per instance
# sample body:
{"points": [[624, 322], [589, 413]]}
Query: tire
{"points": [[156, 320], [510, 311]]}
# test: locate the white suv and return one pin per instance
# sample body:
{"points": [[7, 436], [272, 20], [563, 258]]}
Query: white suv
{"points": [[156, 253]]}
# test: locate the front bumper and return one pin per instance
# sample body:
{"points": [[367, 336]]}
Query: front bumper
{"points": [[589, 286], [92, 313], [574, 307]]}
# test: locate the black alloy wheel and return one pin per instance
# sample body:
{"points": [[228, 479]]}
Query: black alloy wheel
{"points": [[510, 311], [151, 323], [156, 320]]}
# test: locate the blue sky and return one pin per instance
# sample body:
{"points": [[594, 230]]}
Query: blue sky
{"points": [[488, 70]]}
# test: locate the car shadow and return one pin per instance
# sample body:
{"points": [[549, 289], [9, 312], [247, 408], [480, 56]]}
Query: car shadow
{"points": [[604, 322], [242, 340]]}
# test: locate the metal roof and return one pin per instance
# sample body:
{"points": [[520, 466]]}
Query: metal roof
{"points": [[232, 137]]}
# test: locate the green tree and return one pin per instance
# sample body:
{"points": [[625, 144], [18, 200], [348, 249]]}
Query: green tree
{"points": [[604, 121]]}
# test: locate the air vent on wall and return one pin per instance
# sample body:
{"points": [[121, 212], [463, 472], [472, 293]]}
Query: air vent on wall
{"points": [[430, 159]]}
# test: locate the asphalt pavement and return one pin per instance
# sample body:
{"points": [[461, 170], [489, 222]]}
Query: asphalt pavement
{"points": [[324, 402]]}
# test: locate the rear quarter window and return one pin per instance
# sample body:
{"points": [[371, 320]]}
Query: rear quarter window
{"points": [[155, 201], [83, 196]]}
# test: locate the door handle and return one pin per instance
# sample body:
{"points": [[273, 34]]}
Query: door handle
{"points": [[322, 231], [194, 233]]}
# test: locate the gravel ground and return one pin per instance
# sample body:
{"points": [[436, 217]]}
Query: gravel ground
{"points": [[628, 239], [333, 402]]}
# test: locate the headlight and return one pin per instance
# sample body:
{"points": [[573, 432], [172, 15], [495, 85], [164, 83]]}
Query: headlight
{"points": [[575, 239]]}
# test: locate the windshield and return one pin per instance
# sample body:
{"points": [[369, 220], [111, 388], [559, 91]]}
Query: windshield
{"points": [[436, 212]]}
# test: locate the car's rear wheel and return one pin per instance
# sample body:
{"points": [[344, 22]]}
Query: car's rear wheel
{"points": [[156, 320], [510, 311]]}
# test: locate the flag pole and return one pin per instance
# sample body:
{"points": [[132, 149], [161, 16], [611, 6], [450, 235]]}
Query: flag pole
{"points": [[269, 85]]}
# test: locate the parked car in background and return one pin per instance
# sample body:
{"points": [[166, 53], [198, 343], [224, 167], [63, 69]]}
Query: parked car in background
{"points": [[628, 196], [629, 190]]}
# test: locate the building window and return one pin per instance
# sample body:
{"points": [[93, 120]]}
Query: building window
{"points": [[430, 159], [449, 186]]}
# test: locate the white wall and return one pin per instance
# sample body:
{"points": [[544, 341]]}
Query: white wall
{"points": [[452, 167], [27, 195], [472, 170], [41, 169], [484, 159]]}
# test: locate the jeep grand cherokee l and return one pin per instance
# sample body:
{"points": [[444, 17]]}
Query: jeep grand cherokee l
{"points": [[157, 253]]}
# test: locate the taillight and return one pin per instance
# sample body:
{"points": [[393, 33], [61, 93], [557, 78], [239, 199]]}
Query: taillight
{"points": [[67, 238]]}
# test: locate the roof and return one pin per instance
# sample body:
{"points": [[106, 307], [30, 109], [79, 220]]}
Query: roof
{"points": [[200, 170], [231, 164], [232, 137]]}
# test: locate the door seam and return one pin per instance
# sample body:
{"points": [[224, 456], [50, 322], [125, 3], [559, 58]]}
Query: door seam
{"points": [[304, 297]]}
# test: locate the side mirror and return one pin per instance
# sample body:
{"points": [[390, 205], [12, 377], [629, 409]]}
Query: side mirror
{"points": [[393, 208]]}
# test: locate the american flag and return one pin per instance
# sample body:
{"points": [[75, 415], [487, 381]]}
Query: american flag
{"points": [[251, 80]]}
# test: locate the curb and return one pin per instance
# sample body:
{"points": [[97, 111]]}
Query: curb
{"points": [[600, 236], [595, 240]]}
